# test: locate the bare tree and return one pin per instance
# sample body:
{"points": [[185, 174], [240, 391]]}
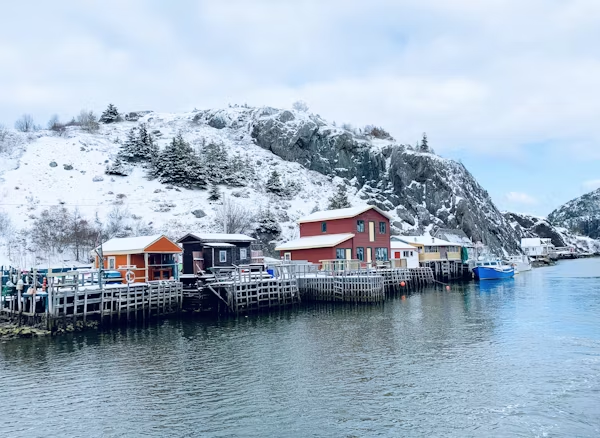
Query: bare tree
{"points": [[25, 123], [117, 223], [3, 132], [300, 105], [233, 218], [51, 230], [88, 121], [56, 126]]}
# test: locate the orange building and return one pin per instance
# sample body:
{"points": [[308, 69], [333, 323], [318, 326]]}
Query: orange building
{"points": [[148, 257]]}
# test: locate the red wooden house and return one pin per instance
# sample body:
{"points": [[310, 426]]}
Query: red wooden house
{"points": [[356, 233]]}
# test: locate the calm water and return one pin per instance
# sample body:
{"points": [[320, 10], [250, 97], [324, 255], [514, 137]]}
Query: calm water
{"points": [[513, 358]]}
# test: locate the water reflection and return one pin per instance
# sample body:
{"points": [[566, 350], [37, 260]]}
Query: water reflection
{"points": [[518, 357]]}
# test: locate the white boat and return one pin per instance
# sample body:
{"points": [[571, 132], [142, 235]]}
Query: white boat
{"points": [[521, 263]]}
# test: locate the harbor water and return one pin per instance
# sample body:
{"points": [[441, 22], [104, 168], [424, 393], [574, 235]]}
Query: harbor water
{"points": [[516, 357]]}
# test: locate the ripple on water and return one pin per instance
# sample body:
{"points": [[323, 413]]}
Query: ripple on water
{"points": [[515, 358]]}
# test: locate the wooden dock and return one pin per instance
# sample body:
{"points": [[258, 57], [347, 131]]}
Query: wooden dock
{"points": [[68, 296]]}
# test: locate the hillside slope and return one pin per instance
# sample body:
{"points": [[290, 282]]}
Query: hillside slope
{"points": [[531, 226], [580, 215], [420, 190]]}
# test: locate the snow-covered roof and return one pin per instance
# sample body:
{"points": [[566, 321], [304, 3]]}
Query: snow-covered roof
{"points": [[219, 237], [324, 241], [424, 240], [534, 241], [454, 236], [219, 244], [342, 213], [396, 244], [129, 245]]}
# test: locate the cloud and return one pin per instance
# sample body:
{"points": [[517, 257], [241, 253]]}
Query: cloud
{"points": [[521, 198], [591, 185], [486, 77]]}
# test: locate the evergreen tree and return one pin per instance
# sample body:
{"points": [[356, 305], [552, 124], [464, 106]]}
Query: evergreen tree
{"points": [[178, 164], [267, 230], [110, 115], [118, 167], [274, 184], [139, 146], [214, 194], [216, 163], [339, 199], [424, 147]]}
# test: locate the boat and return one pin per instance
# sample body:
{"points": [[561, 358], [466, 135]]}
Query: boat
{"points": [[521, 263], [492, 270]]}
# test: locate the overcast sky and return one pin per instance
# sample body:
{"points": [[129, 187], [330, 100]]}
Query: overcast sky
{"points": [[510, 87]]}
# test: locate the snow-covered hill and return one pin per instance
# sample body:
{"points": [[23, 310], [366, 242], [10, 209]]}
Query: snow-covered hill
{"points": [[580, 215], [313, 157], [532, 226]]}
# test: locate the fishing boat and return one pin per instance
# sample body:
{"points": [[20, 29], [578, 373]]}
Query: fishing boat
{"points": [[492, 270], [521, 263]]}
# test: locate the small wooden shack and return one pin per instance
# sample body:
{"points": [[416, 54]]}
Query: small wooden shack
{"points": [[148, 257], [202, 251]]}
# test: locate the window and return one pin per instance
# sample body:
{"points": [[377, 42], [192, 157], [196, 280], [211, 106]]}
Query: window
{"points": [[405, 253], [340, 254], [243, 253], [287, 256], [381, 254], [223, 256], [382, 227], [111, 263], [360, 226], [323, 227], [432, 249], [360, 253]]}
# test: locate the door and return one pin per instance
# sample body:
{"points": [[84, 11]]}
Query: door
{"points": [[348, 254], [369, 254], [443, 253], [371, 231], [397, 254]]}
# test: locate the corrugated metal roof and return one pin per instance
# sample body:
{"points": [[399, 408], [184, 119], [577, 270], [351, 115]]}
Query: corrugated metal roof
{"points": [[324, 241], [342, 213]]}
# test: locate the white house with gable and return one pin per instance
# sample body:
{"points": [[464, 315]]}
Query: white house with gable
{"points": [[536, 247], [404, 254]]}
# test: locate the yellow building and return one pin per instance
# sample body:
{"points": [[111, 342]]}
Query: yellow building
{"points": [[432, 249]]}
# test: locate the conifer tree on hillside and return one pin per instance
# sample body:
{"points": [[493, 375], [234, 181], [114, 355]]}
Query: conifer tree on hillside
{"points": [[139, 146], [339, 199], [424, 146], [274, 184], [110, 115], [214, 194], [267, 230], [118, 167], [178, 164]]}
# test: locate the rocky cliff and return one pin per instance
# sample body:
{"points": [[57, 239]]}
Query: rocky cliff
{"points": [[581, 215], [421, 189]]}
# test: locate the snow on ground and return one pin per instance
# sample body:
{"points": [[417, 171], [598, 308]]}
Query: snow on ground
{"points": [[29, 184]]}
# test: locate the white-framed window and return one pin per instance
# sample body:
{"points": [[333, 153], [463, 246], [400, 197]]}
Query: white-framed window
{"points": [[222, 256], [112, 263], [287, 256], [243, 253]]}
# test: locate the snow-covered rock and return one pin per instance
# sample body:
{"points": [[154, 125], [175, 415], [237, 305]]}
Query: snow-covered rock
{"points": [[580, 215], [312, 156]]}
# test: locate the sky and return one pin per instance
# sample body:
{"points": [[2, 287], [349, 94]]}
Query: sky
{"points": [[511, 88]]}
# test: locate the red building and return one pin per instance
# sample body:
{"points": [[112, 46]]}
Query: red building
{"points": [[356, 233]]}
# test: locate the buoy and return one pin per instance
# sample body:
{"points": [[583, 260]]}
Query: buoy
{"points": [[448, 288], [402, 284]]}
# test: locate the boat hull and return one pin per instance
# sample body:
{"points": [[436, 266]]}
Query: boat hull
{"points": [[483, 273]]}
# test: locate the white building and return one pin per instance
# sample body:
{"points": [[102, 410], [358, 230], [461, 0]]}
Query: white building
{"points": [[536, 247], [406, 254]]}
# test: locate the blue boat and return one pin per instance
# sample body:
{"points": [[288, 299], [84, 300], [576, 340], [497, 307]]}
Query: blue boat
{"points": [[492, 270]]}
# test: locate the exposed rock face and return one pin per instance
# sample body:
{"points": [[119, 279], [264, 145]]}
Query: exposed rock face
{"points": [[422, 189], [531, 226], [581, 215]]}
